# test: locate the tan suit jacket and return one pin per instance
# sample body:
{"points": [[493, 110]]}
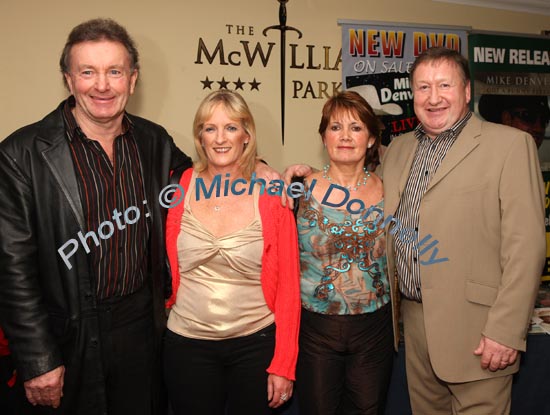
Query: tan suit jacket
{"points": [[485, 206]]}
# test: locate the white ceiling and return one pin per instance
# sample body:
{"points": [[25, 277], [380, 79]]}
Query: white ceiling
{"points": [[528, 6]]}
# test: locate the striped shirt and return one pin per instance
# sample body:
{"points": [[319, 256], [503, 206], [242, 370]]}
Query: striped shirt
{"points": [[429, 155], [112, 196]]}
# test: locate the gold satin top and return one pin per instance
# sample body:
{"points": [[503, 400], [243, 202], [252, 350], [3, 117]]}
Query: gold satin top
{"points": [[220, 294]]}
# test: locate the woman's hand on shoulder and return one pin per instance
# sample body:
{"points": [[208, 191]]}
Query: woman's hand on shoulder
{"points": [[279, 390]]}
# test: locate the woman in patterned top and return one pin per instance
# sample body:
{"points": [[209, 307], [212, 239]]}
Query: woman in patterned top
{"points": [[346, 337]]}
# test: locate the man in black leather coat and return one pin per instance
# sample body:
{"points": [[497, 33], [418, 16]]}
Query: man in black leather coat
{"points": [[82, 345]]}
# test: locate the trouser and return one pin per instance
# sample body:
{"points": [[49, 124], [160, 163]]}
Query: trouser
{"points": [[7, 392], [344, 363], [126, 337], [128, 352], [203, 377], [430, 395]]}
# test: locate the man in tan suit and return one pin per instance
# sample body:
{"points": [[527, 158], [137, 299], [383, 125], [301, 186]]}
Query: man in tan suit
{"points": [[477, 188]]}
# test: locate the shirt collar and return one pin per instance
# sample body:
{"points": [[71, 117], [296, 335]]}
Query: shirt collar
{"points": [[455, 130], [71, 124]]}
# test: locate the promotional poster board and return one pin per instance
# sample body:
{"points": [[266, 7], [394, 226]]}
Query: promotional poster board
{"points": [[376, 61], [540, 323], [546, 270], [511, 82]]}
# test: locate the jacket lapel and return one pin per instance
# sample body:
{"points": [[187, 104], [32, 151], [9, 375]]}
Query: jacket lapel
{"points": [[464, 144], [60, 162]]}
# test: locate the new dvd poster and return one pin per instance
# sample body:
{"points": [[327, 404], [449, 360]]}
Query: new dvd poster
{"points": [[376, 61]]}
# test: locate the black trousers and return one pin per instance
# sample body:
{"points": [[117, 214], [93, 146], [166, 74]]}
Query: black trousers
{"points": [[127, 341], [344, 363], [7, 393], [128, 358], [207, 377]]}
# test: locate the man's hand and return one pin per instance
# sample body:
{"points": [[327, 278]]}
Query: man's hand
{"points": [[295, 170], [494, 355], [279, 390], [46, 389], [267, 173]]}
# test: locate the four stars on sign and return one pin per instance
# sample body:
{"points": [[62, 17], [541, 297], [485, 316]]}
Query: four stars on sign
{"points": [[207, 83]]}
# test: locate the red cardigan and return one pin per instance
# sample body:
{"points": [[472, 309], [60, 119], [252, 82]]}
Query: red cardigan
{"points": [[4, 351], [280, 274]]}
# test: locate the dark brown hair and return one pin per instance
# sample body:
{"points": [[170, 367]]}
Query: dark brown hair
{"points": [[95, 30], [352, 102], [442, 54]]}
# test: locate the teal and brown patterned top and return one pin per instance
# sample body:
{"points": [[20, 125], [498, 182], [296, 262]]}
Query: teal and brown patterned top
{"points": [[342, 259]]}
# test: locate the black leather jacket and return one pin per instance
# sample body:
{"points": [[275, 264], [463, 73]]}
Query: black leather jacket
{"points": [[48, 311]]}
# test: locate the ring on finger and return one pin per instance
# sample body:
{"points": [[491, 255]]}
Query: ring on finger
{"points": [[284, 396]]}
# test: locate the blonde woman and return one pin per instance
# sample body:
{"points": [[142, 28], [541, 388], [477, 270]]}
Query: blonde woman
{"points": [[232, 338]]}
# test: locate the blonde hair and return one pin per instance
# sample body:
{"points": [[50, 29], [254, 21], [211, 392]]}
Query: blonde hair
{"points": [[237, 109]]}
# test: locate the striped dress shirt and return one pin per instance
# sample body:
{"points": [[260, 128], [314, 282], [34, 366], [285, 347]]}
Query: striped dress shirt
{"points": [[429, 155], [111, 192]]}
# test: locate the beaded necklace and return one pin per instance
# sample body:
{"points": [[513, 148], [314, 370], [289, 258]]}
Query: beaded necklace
{"points": [[359, 183]]}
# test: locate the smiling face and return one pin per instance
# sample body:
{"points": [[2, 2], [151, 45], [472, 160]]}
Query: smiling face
{"points": [[223, 139], [347, 138], [101, 80], [441, 96]]}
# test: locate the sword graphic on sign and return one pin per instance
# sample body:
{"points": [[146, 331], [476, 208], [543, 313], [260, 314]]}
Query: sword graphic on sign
{"points": [[283, 28]]}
